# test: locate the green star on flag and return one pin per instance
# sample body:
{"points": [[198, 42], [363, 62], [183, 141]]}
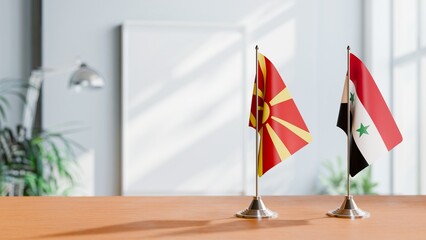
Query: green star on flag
{"points": [[352, 98], [362, 129]]}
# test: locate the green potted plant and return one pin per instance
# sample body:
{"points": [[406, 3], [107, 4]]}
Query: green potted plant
{"points": [[333, 181], [32, 166]]}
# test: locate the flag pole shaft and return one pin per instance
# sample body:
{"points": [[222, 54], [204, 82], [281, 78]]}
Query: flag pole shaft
{"points": [[348, 157], [257, 126]]}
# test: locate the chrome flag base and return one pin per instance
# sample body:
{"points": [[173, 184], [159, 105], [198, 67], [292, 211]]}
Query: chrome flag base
{"points": [[257, 209], [349, 209]]}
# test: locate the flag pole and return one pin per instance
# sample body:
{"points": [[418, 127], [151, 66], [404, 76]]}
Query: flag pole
{"points": [[257, 208], [348, 209], [257, 122], [348, 129]]}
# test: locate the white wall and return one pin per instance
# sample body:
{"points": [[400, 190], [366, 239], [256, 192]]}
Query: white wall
{"points": [[305, 39], [15, 47]]}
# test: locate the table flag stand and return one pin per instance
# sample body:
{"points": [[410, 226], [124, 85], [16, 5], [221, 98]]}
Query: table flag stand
{"points": [[348, 209], [257, 208]]}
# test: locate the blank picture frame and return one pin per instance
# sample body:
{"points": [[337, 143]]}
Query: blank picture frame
{"points": [[183, 99]]}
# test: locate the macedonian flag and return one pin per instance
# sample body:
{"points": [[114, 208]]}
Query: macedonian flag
{"points": [[281, 127]]}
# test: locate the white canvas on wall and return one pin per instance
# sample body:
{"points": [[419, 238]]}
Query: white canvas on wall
{"points": [[183, 109]]}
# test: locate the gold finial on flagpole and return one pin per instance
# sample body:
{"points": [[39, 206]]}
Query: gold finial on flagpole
{"points": [[257, 208], [348, 209]]}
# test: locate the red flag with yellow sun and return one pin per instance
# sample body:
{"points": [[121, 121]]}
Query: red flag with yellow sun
{"points": [[281, 127]]}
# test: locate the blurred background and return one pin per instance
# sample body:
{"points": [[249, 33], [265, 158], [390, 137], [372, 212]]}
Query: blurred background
{"points": [[172, 117]]}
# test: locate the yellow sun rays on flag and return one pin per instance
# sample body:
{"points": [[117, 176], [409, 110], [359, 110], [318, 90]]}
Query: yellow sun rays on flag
{"points": [[282, 129]]}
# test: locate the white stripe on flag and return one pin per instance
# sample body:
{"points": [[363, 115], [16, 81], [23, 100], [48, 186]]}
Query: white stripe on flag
{"points": [[371, 145]]}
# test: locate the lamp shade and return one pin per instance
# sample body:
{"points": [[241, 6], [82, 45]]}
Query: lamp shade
{"points": [[86, 77]]}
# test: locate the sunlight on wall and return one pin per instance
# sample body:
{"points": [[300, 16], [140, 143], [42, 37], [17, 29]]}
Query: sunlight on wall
{"points": [[265, 13], [283, 38], [200, 55]]}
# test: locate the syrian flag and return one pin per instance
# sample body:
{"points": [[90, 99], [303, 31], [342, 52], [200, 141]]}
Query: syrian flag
{"points": [[373, 129]]}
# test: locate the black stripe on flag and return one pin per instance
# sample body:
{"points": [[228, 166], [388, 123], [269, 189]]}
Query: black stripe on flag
{"points": [[357, 161]]}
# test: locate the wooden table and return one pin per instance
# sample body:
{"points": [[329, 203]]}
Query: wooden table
{"points": [[300, 217]]}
